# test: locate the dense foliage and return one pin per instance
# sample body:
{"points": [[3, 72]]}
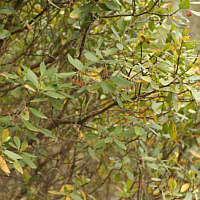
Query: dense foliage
{"points": [[99, 100]]}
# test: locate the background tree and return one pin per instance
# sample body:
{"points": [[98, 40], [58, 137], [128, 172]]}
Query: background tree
{"points": [[99, 100]]}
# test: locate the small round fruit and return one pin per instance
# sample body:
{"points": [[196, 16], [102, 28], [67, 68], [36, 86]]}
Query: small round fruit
{"points": [[131, 87], [73, 80], [26, 109]]}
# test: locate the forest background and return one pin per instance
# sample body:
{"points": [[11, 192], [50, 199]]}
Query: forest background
{"points": [[99, 99]]}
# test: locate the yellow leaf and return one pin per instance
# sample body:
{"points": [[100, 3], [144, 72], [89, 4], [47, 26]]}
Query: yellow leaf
{"points": [[185, 187], [173, 131], [95, 78], [67, 198], [83, 194], [194, 153], [4, 166], [95, 72], [5, 135], [155, 192], [30, 27], [29, 88], [69, 187]]}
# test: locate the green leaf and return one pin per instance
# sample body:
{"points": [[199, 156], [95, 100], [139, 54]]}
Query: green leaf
{"points": [[17, 142], [25, 115], [17, 91], [195, 12], [65, 75], [146, 78], [111, 51], [151, 25], [126, 97], [54, 95], [139, 130], [55, 103], [115, 33], [75, 13], [195, 94], [107, 87], [42, 68], [113, 5], [11, 76], [163, 82], [154, 85], [178, 24], [12, 155], [99, 144], [30, 126], [108, 140], [47, 132], [91, 152], [75, 62], [5, 120], [175, 103], [119, 101], [185, 4], [18, 166], [119, 143], [37, 113], [121, 82], [91, 57], [4, 34], [28, 161]]}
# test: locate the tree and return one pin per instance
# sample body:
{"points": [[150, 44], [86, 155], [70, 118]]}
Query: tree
{"points": [[99, 100]]}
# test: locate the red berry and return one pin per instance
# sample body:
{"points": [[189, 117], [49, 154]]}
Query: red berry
{"points": [[192, 161], [190, 13], [136, 87], [166, 188], [68, 6], [77, 83], [127, 88], [73, 80], [106, 73], [123, 52], [81, 82], [131, 87], [26, 109]]}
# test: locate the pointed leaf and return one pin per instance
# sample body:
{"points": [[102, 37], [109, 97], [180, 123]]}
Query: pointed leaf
{"points": [[48, 133], [18, 166], [75, 62], [28, 161], [37, 113]]}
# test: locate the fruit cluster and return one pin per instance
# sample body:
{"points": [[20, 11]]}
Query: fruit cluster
{"points": [[77, 82], [105, 73], [131, 87], [25, 109], [189, 14]]}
